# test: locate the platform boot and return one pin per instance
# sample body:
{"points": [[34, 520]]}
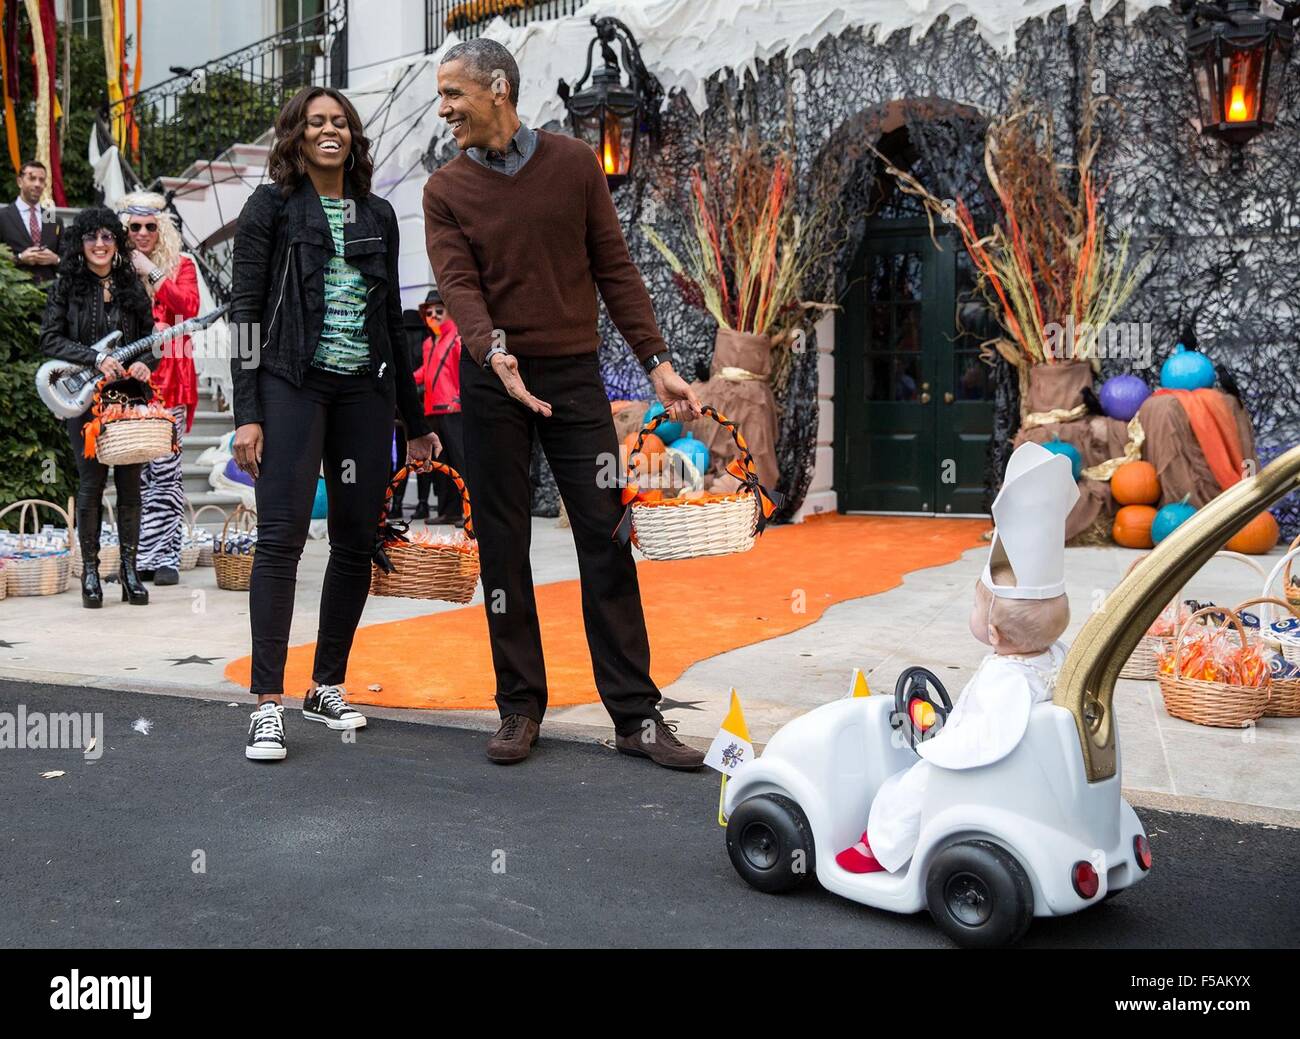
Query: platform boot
{"points": [[128, 529], [92, 592]]}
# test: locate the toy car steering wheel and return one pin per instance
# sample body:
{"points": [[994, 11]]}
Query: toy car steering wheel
{"points": [[915, 708]]}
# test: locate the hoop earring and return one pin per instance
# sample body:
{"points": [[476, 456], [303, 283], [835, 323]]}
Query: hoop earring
{"points": [[353, 157]]}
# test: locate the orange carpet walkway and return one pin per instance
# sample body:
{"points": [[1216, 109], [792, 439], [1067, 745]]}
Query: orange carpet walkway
{"points": [[695, 609]]}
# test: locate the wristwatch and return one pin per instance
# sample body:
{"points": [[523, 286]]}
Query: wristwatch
{"points": [[495, 349], [654, 361]]}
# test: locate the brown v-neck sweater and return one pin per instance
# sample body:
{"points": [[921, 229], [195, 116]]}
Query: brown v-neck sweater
{"points": [[525, 254]]}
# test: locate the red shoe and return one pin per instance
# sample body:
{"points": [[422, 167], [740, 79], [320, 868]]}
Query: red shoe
{"points": [[858, 859]]}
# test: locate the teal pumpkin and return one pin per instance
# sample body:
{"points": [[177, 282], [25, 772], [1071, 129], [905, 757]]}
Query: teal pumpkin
{"points": [[696, 450], [1061, 447], [320, 506], [1186, 369], [668, 431], [1170, 518]]}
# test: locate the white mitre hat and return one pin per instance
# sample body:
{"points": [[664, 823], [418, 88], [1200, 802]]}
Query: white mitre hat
{"points": [[1029, 524]]}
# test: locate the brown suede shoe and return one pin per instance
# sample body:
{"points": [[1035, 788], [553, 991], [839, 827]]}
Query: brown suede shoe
{"points": [[661, 745], [514, 741]]}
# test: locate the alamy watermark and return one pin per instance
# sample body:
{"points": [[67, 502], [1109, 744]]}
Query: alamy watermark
{"points": [[40, 730], [1111, 340]]}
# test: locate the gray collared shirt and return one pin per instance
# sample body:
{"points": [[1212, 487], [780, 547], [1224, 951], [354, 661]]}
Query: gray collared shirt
{"points": [[517, 152]]}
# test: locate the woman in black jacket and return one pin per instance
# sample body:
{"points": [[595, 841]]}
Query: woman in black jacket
{"points": [[97, 292], [322, 366]]}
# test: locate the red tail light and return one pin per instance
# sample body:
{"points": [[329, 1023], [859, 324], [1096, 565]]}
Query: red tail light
{"points": [[1142, 852], [1084, 878]]}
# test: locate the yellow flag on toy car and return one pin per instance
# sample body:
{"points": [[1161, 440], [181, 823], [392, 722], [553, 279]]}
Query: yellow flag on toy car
{"points": [[858, 684], [731, 747]]}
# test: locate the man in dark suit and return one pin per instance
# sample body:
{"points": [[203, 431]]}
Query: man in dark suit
{"points": [[25, 229]]}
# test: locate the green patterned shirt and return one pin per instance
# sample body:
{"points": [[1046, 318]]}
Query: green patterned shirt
{"points": [[343, 346]]}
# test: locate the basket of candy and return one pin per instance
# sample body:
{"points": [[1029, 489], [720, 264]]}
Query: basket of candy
{"points": [[669, 523], [1284, 699], [36, 562], [1291, 585], [422, 564], [232, 555], [1143, 663], [1213, 675], [1284, 630], [124, 431]]}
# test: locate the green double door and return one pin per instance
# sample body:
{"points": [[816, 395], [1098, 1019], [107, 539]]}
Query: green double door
{"points": [[913, 400]]}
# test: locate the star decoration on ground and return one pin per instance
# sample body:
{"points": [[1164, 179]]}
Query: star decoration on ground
{"points": [[177, 661], [678, 705], [10, 645]]}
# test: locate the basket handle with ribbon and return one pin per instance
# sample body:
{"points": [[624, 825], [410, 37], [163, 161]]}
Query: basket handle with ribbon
{"points": [[393, 531], [741, 468]]}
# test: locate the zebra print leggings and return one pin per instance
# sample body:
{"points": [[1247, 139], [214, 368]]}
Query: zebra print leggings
{"points": [[162, 496]]}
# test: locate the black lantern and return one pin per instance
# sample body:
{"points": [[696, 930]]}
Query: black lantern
{"points": [[1238, 52], [608, 115]]}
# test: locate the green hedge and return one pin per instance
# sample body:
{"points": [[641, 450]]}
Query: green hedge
{"points": [[35, 457]]}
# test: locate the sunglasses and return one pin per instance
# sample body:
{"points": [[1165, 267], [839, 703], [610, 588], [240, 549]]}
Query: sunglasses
{"points": [[151, 227], [99, 236]]}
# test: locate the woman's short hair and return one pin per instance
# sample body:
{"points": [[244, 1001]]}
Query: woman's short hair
{"points": [[287, 167]]}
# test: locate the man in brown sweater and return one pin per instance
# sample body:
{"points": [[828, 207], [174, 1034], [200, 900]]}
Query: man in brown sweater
{"points": [[522, 233]]}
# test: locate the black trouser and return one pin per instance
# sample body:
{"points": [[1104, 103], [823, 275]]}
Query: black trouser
{"points": [[92, 474], [578, 440], [449, 427], [348, 422]]}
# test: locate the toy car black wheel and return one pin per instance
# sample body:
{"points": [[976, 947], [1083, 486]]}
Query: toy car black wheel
{"points": [[770, 843], [979, 895]]}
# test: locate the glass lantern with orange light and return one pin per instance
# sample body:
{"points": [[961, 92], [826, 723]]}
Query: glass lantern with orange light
{"points": [[609, 115], [1238, 52]]}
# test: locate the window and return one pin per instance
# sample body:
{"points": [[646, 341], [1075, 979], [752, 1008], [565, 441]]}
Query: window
{"points": [[85, 18]]}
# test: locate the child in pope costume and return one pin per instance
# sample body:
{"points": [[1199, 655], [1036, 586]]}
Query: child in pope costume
{"points": [[1020, 612]]}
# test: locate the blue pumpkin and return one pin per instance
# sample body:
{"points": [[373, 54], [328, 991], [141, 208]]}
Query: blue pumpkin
{"points": [[696, 450], [1061, 447], [1186, 369], [320, 507], [668, 431], [1169, 519], [1122, 395]]}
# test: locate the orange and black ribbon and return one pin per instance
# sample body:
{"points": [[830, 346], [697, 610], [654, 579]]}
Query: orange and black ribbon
{"points": [[393, 531], [741, 468]]}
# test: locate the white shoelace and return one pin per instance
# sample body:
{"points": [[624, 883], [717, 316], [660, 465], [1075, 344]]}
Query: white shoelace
{"points": [[331, 698], [267, 725]]}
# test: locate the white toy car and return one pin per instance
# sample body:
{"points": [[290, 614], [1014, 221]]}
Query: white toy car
{"points": [[1000, 844]]}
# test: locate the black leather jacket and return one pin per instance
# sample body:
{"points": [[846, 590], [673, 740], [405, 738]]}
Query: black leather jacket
{"points": [[277, 302], [76, 317]]}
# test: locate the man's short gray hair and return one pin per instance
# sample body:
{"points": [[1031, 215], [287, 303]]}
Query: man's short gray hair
{"points": [[486, 60]]}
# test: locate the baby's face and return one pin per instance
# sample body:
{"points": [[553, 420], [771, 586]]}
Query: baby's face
{"points": [[979, 614]]}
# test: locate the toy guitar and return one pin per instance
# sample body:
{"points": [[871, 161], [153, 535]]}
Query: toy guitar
{"points": [[67, 389]]}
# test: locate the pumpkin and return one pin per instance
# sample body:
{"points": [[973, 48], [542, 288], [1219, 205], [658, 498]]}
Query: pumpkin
{"points": [[1186, 369], [1170, 518], [1061, 447], [651, 456], [1122, 395], [1257, 537], [1132, 527], [1135, 483], [666, 431]]}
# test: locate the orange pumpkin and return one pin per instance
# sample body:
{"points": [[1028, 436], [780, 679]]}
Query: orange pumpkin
{"points": [[651, 456], [1257, 537], [1135, 483], [1132, 527]]}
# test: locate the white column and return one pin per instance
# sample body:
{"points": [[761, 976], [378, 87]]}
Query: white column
{"points": [[821, 492]]}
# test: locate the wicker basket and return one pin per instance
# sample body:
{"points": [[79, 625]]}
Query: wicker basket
{"points": [[234, 569], [109, 555], [1290, 585], [687, 528], [1143, 664], [132, 441], [3, 582], [204, 557], [40, 575], [1284, 701], [426, 571], [1211, 703]]}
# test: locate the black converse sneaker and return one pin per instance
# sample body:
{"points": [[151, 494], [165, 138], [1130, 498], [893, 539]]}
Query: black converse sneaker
{"points": [[266, 734], [325, 704]]}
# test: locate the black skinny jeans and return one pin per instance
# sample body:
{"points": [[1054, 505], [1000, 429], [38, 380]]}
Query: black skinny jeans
{"points": [[92, 474], [346, 421]]}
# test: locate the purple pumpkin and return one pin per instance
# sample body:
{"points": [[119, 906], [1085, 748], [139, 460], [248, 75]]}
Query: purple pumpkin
{"points": [[1122, 395]]}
